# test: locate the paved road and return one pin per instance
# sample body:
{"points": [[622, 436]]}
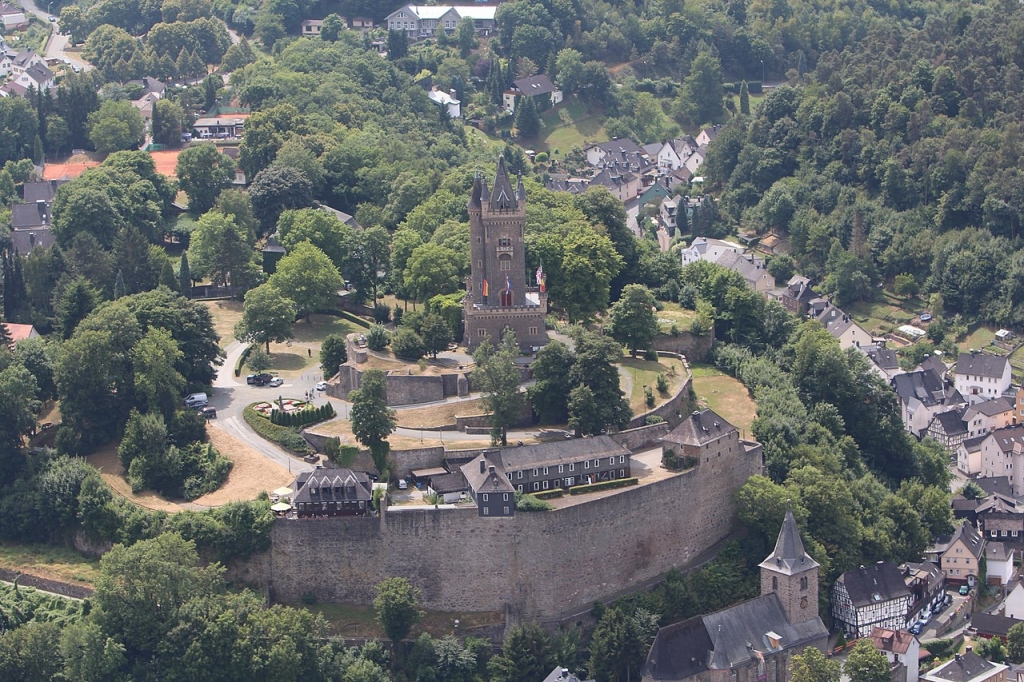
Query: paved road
{"points": [[230, 396], [57, 45]]}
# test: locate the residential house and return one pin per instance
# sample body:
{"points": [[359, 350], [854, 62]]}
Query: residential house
{"points": [[949, 429], [570, 185], [934, 362], [539, 88], [332, 492], [842, 327], [705, 435], [988, 415], [707, 136], [616, 152], [965, 509], [696, 160], [995, 485], [145, 105], [884, 361], [346, 218], [150, 85], [960, 554], [25, 59], [36, 76], [681, 176], [752, 641], [869, 597], [655, 193], [424, 21], [12, 17], [668, 212], [446, 100], [923, 395], [272, 253], [925, 582], [623, 185], [13, 89], [560, 674], [1000, 517], [489, 486], [30, 226], [311, 27], [6, 61], [999, 563], [982, 377], [753, 269], [797, 295], [360, 23], [226, 127], [44, 190], [1013, 605], [967, 667], [673, 154], [449, 487], [1018, 402], [20, 332], [1002, 454], [707, 249], [564, 464], [900, 648]]}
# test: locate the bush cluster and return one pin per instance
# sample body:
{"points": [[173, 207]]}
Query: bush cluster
{"points": [[531, 503], [603, 485], [240, 362], [549, 494], [304, 417], [284, 436]]}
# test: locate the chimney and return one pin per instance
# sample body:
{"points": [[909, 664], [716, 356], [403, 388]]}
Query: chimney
{"points": [[483, 465], [491, 470], [969, 649]]}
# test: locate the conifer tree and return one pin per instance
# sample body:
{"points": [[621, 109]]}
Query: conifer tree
{"points": [[744, 99], [119, 290], [184, 277], [167, 276]]}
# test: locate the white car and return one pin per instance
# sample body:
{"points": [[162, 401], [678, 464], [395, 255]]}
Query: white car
{"points": [[321, 386], [402, 485], [276, 381]]}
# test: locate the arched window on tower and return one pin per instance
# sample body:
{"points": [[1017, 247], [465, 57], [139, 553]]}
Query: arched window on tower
{"points": [[803, 583], [775, 583]]}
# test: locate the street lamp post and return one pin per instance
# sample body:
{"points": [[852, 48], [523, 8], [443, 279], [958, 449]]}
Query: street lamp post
{"points": [[762, 73], [48, 12]]}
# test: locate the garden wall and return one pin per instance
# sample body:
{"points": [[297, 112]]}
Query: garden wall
{"points": [[403, 388], [696, 348]]}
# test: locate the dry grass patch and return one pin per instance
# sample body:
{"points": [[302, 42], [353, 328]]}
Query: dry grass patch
{"points": [[438, 415], [359, 621], [727, 397], [106, 460], [225, 315], [46, 561], [251, 474]]}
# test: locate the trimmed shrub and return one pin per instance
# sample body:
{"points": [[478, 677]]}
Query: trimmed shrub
{"points": [[603, 485], [549, 494], [408, 345], [530, 503], [282, 435], [378, 338], [240, 363], [653, 419]]}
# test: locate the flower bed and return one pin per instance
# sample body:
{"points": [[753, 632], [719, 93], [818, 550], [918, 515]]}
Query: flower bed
{"points": [[287, 405]]}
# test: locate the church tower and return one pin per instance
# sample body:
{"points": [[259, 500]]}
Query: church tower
{"points": [[791, 574], [498, 293]]}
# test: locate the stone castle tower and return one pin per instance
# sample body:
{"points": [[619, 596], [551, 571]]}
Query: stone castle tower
{"points": [[792, 574], [498, 295]]}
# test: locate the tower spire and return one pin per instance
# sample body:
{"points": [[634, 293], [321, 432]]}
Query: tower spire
{"points": [[503, 198], [789, 556]]}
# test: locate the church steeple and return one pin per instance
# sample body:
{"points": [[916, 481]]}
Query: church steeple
{"points": [[791, 574]]}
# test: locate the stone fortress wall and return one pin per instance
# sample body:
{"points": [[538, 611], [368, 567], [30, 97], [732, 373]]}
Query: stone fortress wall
{"points": [[539, 565]]}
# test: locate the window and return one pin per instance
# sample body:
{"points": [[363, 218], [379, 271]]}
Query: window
{"points": [[504, 497], [519, 474], [560, 468], [803, 583], [545, 485], [519, 488], [479, 263], [597, 463], [509, 474], [506, 512], [533, 331], [534, 472], [504, 241], [484, 497], [572, 466], [775, 583], [487, 511], [611, 461], [622, 459], [557, 483], [536, 485], [622, 473], [506, 264], [481, 333], [586, 464], [545, 471]]}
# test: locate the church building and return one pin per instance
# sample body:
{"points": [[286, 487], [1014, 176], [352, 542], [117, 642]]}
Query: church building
{"points": [[498, 296], [752, 641]]}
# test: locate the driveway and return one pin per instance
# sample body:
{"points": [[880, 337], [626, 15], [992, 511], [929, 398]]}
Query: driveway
{"points": [[231, 395], [56, 46]]}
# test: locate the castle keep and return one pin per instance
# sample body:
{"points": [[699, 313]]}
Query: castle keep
{"points": [[497, 297]]}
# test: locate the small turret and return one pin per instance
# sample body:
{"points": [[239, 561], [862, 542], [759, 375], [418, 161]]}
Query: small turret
{"points": [[474, 197]]}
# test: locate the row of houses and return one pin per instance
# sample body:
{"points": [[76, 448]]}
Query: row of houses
{"points": [[23, 71], [426, 21]]}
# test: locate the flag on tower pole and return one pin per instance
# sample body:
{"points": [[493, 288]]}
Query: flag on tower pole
{"points": [[486, 289], [540, 274], [508, 285]]}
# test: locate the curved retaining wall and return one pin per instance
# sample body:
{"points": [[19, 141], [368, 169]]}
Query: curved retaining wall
{"points": [[532, 565]]}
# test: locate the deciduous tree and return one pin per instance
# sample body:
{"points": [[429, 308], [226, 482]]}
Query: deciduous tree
{"points": [[865, 663], [396, 606], [812, 666], [203, 172], [115, 126], [372, 420], [308, 277], [498, 377], [633, 319], [267, 316], [221, 250], [333, 353]]}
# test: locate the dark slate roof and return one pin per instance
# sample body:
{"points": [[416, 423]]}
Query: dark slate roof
{"points": [[997, 503], [149, 84], [961, 503], [972, 540], [926, 386], [876, 583], [449, 483], [27, 239], [995, 484], [933, 362], [789, 556], [748, 622], [503, 197], [41, 191], [571, 185], [992, 625], [989, 408], [24, 57], [980, 364], [997, 551], [612, 178], [334, 485], [835, 321], [273, 246], [972, 444], [700, 428], [751, 268], [558, 452], [679, 651], [711, 132], [492, 479], [39, 73], [799, 288], [535, 85], [950, 422], [884, 358], [620, 145], [36, 214]]}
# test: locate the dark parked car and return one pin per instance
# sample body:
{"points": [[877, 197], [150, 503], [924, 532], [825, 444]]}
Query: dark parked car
{"points": [[209, 412], [260, 379]]}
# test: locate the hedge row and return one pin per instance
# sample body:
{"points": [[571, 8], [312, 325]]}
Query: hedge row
{"points": [[282, 435], [549, 494], [354, 319], [304, 417], [240, 363], [603, 485]]}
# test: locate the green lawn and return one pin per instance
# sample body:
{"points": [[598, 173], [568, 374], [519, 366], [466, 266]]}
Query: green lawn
{"points": [[982, 337], [674, 314], [569, 125], [886, 313], [360, 621], [645, 373]]}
